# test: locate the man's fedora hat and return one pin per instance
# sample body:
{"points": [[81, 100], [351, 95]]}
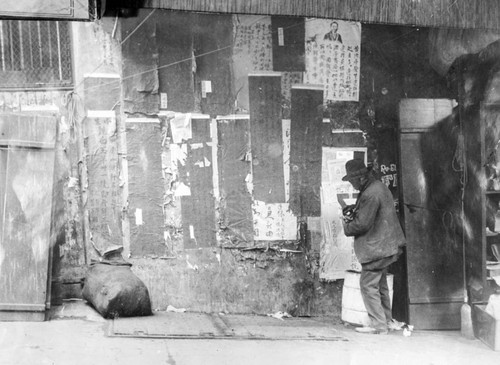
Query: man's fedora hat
{"points": [[354, 168]]}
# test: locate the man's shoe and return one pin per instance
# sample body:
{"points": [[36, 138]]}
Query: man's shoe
{"points": [[394, 325], [371, 330]]}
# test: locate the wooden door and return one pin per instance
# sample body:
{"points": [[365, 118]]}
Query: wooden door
{"points": [[26, 180], [431, 203]]}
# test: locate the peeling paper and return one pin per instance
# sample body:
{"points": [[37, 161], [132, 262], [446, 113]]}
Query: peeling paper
{"points": [[182, 190], [215, 166], [178, 154], [205, 163], [181, 127], [138, 217], [191, 266], [72, 182], [249, 181], [196, 146]]}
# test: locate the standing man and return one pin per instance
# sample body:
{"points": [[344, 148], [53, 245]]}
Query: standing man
{"points": [[378, 239]]}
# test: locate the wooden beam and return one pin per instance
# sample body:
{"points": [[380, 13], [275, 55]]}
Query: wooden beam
{"points": [[477, 14]]}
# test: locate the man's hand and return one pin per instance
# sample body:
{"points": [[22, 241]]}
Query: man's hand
{"points": [[341, 201]]}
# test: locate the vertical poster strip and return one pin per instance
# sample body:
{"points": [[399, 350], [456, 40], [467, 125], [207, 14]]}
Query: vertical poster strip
{"points": [[286, 157], [103, 179], [266, 137], [305, 150], [336, 249]]}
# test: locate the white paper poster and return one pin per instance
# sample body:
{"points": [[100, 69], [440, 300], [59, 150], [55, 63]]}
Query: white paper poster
{"points": [[333, 49], [273, 222], [336, 252]]}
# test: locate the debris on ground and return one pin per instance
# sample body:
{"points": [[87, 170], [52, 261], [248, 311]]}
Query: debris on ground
{"points": [[407, 330], [171, 308], [280, 315]]}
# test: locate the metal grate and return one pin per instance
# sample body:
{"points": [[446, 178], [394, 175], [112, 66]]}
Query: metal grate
{"points": [[34, 54]]}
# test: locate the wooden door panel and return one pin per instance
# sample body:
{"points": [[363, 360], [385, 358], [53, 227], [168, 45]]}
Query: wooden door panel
{"points": [[26, 180], [434, 249], [26, 217]]}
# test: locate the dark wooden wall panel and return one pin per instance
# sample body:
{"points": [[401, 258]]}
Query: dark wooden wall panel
{"points": [[266, 137], [341, 138], [432, 13], [288, 36], [214, 32], [175, 52], [145, 188], [140, 64], [198, 209], [306, 150], [432, 213], [234, 167]]}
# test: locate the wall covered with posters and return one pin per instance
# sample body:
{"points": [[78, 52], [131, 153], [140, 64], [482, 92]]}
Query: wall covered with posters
{"points": [[207, 141]]}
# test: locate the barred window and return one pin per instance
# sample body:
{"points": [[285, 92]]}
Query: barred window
{"points": [[35, 54]]}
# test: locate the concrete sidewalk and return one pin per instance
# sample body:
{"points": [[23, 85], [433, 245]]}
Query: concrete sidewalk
{"points": [[78, 335]]}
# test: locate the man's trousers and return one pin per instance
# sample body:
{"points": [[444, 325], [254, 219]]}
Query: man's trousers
{"points": [[375, 293]]}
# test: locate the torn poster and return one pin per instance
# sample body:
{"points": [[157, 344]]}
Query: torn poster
{"points": [[103, 178], [178, 154], [336, 251], [181, 127], [273, 222], [146, 187], [252, 51], [333, 49]]}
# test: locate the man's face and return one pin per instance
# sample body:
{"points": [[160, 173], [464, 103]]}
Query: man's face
{"points": [[334, 27], [356, 182]]}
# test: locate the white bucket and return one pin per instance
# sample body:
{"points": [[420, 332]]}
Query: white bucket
{"points": [[353, 308]]}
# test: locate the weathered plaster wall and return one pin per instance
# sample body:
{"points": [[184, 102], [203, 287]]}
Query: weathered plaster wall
{"points": [[94, 51], [215, 280]]}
